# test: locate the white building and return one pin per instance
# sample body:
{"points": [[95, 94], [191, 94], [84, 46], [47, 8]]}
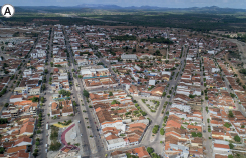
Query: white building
{"points": [[116, 143], [129, 57]]}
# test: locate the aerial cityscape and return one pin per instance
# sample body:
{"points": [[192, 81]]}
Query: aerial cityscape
{"points": [[117, 80]]}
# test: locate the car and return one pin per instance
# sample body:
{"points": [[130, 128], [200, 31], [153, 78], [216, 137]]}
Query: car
{"points": [[81, 135], [204, 131]]}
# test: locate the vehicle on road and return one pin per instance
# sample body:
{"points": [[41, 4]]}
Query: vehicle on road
{"points": [[47, 126]]}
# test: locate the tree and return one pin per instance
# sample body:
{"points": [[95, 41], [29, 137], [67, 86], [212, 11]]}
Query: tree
{"points": [[35, 154], [37, 143], [54, 146], [110, 94], [154, 155], [42, 99], [227, 125], [166, 61], [34, 99], [86, 93], [157, 53], [237, 138], [164, 94], [6, 104], [193, 134], [162, 132], [230, 156], [43, 87], [231, 146], [38, 131], [199, 134], [155, 129], [115, 102], [64, 93], [2, 150], [80, 76], [150, 150], [230, 114]]}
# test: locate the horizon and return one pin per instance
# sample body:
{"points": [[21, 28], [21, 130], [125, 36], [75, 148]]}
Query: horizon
{"points": [[134, 6], [235, 4]]}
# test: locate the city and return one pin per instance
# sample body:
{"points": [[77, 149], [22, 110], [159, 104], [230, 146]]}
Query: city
{"points": [[120, 92]]}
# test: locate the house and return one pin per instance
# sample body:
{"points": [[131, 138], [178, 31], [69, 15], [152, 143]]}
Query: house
{"points": [[15, 98], [34, 91], [221, 147], [16, 149], [20, 90], [27, 72], [54, 111], [23, 141], [27, 129], [67, 107]]}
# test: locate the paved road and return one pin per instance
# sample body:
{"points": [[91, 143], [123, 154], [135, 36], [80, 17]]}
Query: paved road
{"points": [[46, 105], [99, 144]]}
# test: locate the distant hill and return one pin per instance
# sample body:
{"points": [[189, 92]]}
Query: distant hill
{"points": [[90, 7]]}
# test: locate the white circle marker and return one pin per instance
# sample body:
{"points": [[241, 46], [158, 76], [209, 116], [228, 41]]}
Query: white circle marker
{"points": [[7, 10]]}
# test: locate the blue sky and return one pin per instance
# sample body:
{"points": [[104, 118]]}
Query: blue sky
{"points": [[161, 3]]}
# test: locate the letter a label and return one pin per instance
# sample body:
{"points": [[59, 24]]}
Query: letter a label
{"points": [[7, 10]]}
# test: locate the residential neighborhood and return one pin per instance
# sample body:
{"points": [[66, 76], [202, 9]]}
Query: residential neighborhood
{"points": [[99, 91]]}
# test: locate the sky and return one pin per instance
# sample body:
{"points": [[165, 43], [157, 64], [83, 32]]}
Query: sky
{"points": [[241, 4]]}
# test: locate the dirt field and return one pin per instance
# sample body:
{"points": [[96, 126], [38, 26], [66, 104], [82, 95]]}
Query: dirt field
{"points": [[239, 75]]}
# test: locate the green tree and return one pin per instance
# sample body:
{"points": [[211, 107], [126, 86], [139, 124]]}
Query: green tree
{"points": [[230, 114], [54, 146], [2, 150], [115, 102], [86, 93], [155, 129], [6, 104], [227, 125], [110, 94], [64, 93], [35, 154], [154, 155], [37, 143], [237, 138], [231, 146], [162, 132], [42, 99], [34, 99], [230, 156], [150, 150]]}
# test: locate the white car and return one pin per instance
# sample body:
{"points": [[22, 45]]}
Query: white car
{"points": [[81, 135]]}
